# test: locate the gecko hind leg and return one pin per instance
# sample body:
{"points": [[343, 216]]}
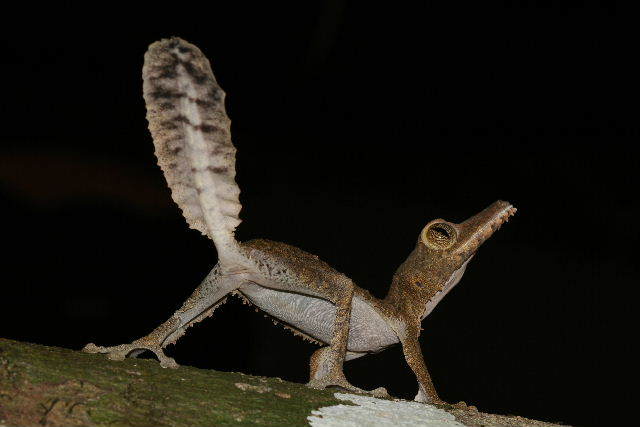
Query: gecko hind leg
{"points": [[200, 305], [151, 342]]}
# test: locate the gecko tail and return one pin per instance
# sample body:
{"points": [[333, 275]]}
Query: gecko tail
{"points": [[192, 138]]}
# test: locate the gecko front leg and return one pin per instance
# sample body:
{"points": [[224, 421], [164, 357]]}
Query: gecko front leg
{"points": [[426, 390], [413, 354], [198, 306]]}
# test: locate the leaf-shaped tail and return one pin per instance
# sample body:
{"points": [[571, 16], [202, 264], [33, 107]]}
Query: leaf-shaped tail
{"points": [[191, 133]]}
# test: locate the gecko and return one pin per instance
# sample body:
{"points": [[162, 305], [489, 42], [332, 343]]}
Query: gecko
{"points": [[192, 139]]}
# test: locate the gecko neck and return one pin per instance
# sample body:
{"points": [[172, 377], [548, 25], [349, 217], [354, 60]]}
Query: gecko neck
{"points": [[406, 301], [401, 305]]}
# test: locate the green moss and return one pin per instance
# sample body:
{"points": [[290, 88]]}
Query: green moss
{"points": [[66, 387]]}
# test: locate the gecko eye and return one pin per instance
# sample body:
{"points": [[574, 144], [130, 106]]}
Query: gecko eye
{"points": [[439, 235]]}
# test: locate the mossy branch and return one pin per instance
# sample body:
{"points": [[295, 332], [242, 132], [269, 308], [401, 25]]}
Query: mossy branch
{"points": [[53, 386], [56, 386]]}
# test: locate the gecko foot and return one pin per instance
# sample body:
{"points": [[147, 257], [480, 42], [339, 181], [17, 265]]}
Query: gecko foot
{"points": [[325, 374], [120, 352], [464, 406], [333, 381], [341, 383]]}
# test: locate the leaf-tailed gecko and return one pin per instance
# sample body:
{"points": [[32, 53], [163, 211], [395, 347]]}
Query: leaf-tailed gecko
{"points": [[191, 134]]}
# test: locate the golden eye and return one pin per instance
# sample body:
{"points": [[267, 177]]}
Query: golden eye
{"points": [[439, 235]]}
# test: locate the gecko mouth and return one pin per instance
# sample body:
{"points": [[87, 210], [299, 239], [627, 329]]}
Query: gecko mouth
{"points": [[481, 226]]}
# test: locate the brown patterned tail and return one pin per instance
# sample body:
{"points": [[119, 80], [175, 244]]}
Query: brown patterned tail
{"points": [[191, 133]]}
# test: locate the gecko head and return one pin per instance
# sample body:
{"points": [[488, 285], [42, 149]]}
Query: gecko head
{"points": [[449, 246], [441, 256]]}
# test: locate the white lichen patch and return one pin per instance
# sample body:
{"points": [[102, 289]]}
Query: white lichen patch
{"points": [[370, 411]]}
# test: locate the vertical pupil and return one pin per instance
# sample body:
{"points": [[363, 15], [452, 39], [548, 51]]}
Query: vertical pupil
{"points": [[439, 233]]}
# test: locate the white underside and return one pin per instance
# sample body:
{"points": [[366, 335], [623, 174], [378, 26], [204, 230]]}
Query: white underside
{"points": [[453, 280], [368, 331]]}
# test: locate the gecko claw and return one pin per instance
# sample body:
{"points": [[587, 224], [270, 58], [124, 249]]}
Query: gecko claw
{"points": [[120, 352]]}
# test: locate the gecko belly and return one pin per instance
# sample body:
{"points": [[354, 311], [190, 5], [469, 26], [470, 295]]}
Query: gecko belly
{"points": [[368, 332]]}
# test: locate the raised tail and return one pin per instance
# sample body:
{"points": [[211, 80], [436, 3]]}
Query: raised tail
{"points": [[192, 138]]}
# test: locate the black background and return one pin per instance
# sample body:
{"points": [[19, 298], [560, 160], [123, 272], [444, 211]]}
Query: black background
{"points": [[355, 123]]}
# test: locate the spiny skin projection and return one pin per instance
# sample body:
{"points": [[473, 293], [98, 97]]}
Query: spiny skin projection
{"points": [[191, 133]]}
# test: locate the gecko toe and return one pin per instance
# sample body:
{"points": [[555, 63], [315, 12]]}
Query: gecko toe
{"points": [[117, 356], [167, 362], [464, 406], [346, 387], [338, 382], [380, 392], [90, 348]]}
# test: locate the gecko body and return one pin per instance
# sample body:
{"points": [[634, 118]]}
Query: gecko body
{"points": [[191, 133]]}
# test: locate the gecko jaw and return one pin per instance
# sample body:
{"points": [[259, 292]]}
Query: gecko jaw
{"points": [[480, 227]]}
